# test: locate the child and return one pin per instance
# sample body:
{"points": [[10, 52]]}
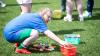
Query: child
{"points": [[25, 5], [25, 28], [88, 13], [69, 7]]}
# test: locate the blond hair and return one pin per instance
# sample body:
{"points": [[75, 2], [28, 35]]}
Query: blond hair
{"points": [[45, 10]]}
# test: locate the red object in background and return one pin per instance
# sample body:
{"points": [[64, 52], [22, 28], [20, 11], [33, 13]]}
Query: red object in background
{"points": [[68, 51]]}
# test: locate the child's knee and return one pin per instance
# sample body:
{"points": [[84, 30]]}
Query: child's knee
{"points": [[34, 33]]}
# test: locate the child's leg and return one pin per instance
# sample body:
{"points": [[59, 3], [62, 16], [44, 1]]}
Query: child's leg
{"points": [[90, 4], [69, 7], [63, 5], [25, 8], [79, 7], [25, 38], [33, 37], [25, 5], [88, 13]]}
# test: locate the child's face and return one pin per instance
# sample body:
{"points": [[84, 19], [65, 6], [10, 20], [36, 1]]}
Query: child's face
{"points": [[47, 17]]}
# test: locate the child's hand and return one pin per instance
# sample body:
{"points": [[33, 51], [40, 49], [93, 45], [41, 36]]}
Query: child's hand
{"points": [[64, 43]]}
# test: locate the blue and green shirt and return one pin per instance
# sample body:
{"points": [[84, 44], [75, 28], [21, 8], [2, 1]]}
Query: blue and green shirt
{"points": [[27, 20]]}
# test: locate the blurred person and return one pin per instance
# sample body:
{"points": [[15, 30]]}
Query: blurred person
{"points": [[25, 6], [88, 12], [69, 8]]}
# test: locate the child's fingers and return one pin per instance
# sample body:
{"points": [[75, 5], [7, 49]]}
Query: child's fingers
{"points": [[66, 44]]}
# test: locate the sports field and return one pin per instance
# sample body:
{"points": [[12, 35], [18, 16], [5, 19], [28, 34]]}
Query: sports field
{"points": [[89, 30]]}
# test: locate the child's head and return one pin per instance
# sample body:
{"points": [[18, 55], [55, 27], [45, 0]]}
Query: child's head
{"points": [[46, 13]]}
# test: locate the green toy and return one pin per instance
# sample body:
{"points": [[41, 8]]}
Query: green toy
{"points": [[72, 38]]}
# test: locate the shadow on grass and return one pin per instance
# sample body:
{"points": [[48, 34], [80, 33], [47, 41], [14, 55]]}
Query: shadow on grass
{"points": [[65, 31], [82, 42], [78, 54], [38, 3], [68, 31], [40, 51], [3, 12]]}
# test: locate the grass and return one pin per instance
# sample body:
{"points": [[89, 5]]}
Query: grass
{"points": [[89, 29]]}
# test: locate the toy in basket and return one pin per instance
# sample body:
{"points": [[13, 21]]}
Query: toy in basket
{"points": [[57, 14], [41, 47], [72, 38], [68, 51]]}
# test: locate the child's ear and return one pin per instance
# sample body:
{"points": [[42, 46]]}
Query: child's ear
{"points": [[45, 18]]}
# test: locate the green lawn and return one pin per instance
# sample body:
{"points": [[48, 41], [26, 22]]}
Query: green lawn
{"points": [[89, 30]]}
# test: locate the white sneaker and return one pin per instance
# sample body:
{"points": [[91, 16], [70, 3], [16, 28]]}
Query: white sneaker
{"points": [[81, 18], [86, 14], [3, 5], [69, 19]]}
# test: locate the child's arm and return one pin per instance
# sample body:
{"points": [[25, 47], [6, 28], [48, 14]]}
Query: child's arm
{"points": [[51, 35]]}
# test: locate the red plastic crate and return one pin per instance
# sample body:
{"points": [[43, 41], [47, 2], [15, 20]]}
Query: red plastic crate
{"points": [[68, 51]]}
